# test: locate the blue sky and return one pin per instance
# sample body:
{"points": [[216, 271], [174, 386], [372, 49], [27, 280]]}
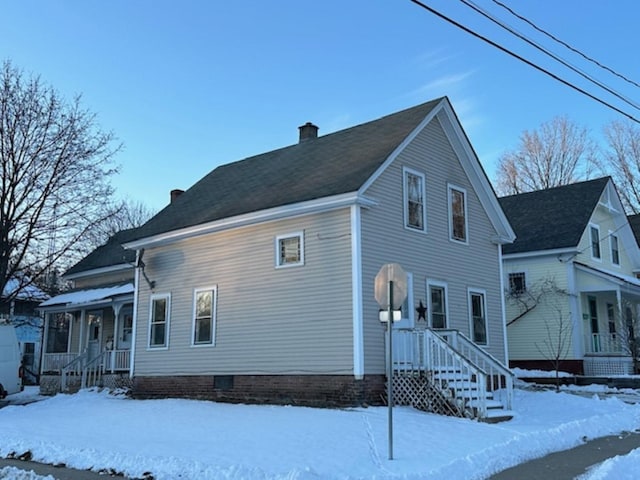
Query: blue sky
{"points": [[189, 85]]}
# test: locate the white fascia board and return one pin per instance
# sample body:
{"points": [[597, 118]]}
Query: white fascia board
{"points": [[401, 147], [476, 174], [99, 271], [287, 211], [571, 252]]}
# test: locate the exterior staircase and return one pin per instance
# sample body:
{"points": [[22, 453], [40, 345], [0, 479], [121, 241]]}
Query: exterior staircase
{"points": [[443, 371]]}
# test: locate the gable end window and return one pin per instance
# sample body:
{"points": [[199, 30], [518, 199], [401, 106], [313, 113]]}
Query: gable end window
{"points": [[517, 283], [478, 314], [615, 252], [595, 242], [159, 321], [290, 250], [414, 193], [457, 214], [204, 316]]}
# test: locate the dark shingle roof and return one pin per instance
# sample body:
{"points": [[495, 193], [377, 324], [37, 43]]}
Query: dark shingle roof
{"points": [[332, 164], [634, 221], [109, 254], [552, 218]]}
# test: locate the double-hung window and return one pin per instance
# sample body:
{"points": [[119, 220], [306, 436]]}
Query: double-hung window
{"points": [[159, 321], [478, 313], [290, 250], [595, 242], [414, 193], [437, 305], [615, 252], [457, 214], [204, 316]]}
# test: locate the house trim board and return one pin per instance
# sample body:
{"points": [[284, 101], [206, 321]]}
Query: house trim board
{"points": [[575, 312], [136, 291], [557, 252], [287, 211], [356, 285], [503, 303], [98, 271]]}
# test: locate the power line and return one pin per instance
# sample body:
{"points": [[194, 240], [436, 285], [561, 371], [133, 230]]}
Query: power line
{"points": [[487, 15], [524, 60], [573, 49]]}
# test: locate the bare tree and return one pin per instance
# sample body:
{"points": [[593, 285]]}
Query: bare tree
{"points": [[127, 214], [628, 332], [622, 160], [560, 152], [555, 317], [55, 169]]}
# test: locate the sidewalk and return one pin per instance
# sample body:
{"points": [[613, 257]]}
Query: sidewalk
{"points": [[569, 464], [59, 473]]}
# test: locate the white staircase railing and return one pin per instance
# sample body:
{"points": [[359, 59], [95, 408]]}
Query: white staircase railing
{"points": [[452, 361], [499, 376]]}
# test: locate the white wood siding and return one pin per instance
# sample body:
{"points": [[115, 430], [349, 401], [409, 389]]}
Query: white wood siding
{"points": [[270, 320], [529, 335], [429, 255]]}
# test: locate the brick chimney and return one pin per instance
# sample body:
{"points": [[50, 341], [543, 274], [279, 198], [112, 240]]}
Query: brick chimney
{"points": [[175, 194], [308, 131]]}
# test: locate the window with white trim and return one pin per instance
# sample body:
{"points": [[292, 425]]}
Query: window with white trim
{"points": [[457, 214], [478, 314], [517, 283], [437, 305], [290, 250], [159, 321], [595, 242], [204, 315], [615, 252], [414, 193]]}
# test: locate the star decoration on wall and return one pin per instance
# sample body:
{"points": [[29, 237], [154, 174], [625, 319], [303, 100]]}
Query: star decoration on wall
{"points": [[422, 311]]}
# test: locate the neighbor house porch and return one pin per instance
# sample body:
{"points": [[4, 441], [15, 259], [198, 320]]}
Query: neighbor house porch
{"points": [[609, 304], [87, 336]]}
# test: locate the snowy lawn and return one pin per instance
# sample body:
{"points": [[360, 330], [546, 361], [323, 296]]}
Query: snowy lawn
{"points": [[189, 439]]}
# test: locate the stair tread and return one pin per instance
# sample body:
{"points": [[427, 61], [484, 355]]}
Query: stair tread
{"points": [[491, 404]]}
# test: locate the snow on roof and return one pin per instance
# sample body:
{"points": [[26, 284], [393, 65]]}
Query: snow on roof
{"points": [[79, 297], [28, 292]]}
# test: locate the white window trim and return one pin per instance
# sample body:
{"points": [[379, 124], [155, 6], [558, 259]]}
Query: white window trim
{"points": [[451, 187], [300, 236], [508, 283], [443, 285], [482, 292], [405, 199], [612, 235], [214, 311], [409, 320], [153, 297], [597, 227]]}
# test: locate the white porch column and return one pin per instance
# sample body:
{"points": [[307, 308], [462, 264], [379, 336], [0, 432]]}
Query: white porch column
{"points": [[81, 339], [45, 336]]}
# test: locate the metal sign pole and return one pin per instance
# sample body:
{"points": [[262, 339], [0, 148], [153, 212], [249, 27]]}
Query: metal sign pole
{"points": [[390, 368]]}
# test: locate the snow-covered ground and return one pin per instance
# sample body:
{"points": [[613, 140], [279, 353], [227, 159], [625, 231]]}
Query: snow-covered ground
{"points": [[186, 439]]}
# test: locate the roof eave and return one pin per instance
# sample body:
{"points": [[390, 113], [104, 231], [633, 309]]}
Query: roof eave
{"points": [[277, 213], [98, 271], [541, 253]]}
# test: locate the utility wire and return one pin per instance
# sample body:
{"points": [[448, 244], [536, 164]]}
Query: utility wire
{"points": [[487, 15], [573, 49], [522, 59]]}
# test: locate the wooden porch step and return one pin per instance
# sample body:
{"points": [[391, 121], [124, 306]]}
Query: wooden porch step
{"points": [[497, 416]]}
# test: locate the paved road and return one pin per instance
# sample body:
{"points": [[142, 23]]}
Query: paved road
{"points": [[59, 473], [569, 464]]}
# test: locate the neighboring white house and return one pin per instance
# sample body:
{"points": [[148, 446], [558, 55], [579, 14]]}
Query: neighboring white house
{"points": [[21, 311], [572, 279], [257, 283]]}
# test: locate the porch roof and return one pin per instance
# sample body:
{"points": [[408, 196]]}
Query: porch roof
{"points": [[629, 282], [90, 296]]}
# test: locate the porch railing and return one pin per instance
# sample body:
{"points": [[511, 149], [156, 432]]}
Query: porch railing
{"points": [[605, 343], [497, 372], [54, 362], [117, 360], [450, 354]]}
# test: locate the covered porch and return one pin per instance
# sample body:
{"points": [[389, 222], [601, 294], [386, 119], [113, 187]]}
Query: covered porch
{"points": [[86, 331], [609, 305]]}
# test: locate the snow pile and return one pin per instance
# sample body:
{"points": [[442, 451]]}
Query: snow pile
{"points": [[12, 473], [204, 440]]}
